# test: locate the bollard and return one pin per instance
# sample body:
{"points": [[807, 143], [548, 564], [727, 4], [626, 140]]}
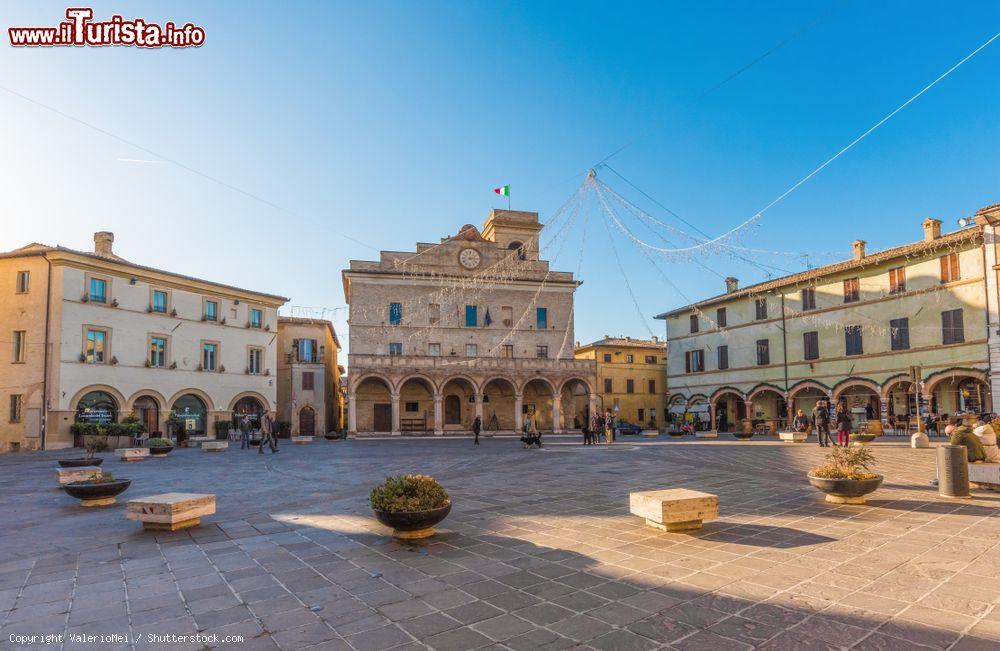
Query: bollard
{"points": [[953, 471]]}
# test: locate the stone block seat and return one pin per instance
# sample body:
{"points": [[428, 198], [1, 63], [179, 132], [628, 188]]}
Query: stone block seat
{"points": [[793, 437], [81, 473], [215, 446], [985, 475], [170, 511], [707, 434], [132, 454], [301, 440], [675, 509], [196, 441]]}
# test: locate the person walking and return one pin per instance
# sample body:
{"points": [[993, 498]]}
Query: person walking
{"points": [[586, 431], [245, 432], [477, 426], [268, 435], [844, 424], [609, 427], [821, 423], [596, 427]]}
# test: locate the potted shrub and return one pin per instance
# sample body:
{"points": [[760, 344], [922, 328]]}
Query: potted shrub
{"points": [[410, 504], [97, 492], [332, 436], [159, 447], [92, 444], [222, 429], [862, 438], [846, 477], [743, 435]]}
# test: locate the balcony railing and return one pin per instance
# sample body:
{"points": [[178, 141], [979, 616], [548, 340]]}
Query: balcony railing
{"points": [[359, 361]]}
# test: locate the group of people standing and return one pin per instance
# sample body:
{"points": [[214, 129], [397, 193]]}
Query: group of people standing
{"points": [[819, 421], [268, 430], [599, 425]]}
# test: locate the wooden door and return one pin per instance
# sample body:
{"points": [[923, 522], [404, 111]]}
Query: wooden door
{"points": [[452, 410], [307, 422], [382, 418]]}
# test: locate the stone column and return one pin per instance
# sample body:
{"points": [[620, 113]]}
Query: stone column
{"points": [[518, 401], [352, 415], [593, 406], [711, 415], [556, 415], [479, 406], [395, 415], [438, 415]]}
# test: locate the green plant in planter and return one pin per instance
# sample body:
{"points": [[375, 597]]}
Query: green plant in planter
{"points": [[408, 493], [85, 429], [104, 478], [174, 425], [157, 442], [221, 429], [847, 463], [95, 444]]}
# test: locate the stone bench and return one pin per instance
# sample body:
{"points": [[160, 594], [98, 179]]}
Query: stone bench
{"points": [[985, 475], [676, 509], [80, 473], [301, 440], [793, 437], [214, 446], [132, 454], [196, 441], [170, 511], [709, 434]]}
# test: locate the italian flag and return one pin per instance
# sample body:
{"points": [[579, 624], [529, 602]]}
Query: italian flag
{"points": [[503, 190]]}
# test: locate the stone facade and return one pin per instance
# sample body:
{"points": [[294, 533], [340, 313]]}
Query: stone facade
{"points": [[988, 219], [631, 378], [309, 394], [96, 337], [852, 331], [474, 325]]}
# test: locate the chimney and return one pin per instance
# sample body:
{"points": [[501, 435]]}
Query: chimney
{"points": [[102, 243], [654, 339], [859, 248], [732, 284], [932, 229]]}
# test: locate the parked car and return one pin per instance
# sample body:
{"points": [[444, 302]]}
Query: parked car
{"points": [[625, 427]]}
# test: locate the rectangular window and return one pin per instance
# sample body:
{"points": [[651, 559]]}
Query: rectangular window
{"points": [[763, 352], [159, 301], [694, 361], [471, 350], [630, 386], [761, 307], [256, 317], [98, 290], [651, 386], [158, 352], [21, 286], [211, 310], [650, 359], [950, 271], [395, 313], [607, 358], [542, 318], [16, 405], [542, 352], [852, 340], [629, 358], [607, 385], [952, 327], [434, 313], [412, 407], [434, 350], [396, 348], [852, 290], [20, 349], [642, 414], [507, 315], [308, 381], [808, 298], [897, 280], [723, 357], [694, 323], [471, 316], [507, 352], [96, 347], [255, 361], [307, 350], [899, 334], [209, 356], [652, 414], [810, 345], [720, 317]]}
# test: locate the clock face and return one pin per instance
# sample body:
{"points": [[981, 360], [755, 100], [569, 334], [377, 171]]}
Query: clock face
{"points": [[469, 258]]}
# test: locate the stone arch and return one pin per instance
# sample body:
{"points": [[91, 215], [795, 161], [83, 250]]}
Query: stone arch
{"points": [[389, 386], [161, 402], [207, 399], [565, 382], [540, 393], [459, 376], [500, 378], [764, 386], [723, 420], [694, 400], [541, 379], [498, 413], [110, 390], [574, 403], [416, 403], [371, 396], [417, 376], [250, 394], [841, 386], [934, 389], [932, 380], [718, 393], [802, 385], [892, 381]]}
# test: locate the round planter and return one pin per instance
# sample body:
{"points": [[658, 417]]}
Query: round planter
{"points": [[743, 436], [91, 494], [846, 491], [412, 525], [80, 462], [862, 439], [160, 450], [676, 435]]}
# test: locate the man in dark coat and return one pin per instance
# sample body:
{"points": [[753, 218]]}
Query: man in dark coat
{"points": [[268, 433], [821, 423], [477, 426]]}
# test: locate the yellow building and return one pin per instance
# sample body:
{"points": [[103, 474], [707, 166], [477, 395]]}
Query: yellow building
{"points": [[850, 332], [631, 378], [309, 396]]}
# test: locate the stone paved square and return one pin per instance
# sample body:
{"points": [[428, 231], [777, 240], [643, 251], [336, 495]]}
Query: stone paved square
{"points": [[539, 552]]}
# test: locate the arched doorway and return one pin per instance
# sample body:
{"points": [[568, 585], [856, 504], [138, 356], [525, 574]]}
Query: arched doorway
{"points": [[97, 407], [537, 402], [148, 412], [574, 405], [416, 405], [373, 405], [190, 416], [698, 413], [862, 402], [459, 403], [307, 421], [730, 410], [250, 407], [498, 405], [768, 409], [806, 399], [675, 411], [960, 394]]}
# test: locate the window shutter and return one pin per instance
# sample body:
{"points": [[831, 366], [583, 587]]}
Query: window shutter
{"points": [[687, 362]]}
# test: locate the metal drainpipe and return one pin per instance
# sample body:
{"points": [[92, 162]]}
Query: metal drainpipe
{"points": [[45, 354]]}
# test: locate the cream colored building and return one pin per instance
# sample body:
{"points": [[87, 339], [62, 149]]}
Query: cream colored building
{"points": [[476, 324], [308, 377], [631, 378], [94, 337], [851, 331]]}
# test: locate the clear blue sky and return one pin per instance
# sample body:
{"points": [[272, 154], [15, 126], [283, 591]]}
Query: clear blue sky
{"points": [[392, 122]]}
